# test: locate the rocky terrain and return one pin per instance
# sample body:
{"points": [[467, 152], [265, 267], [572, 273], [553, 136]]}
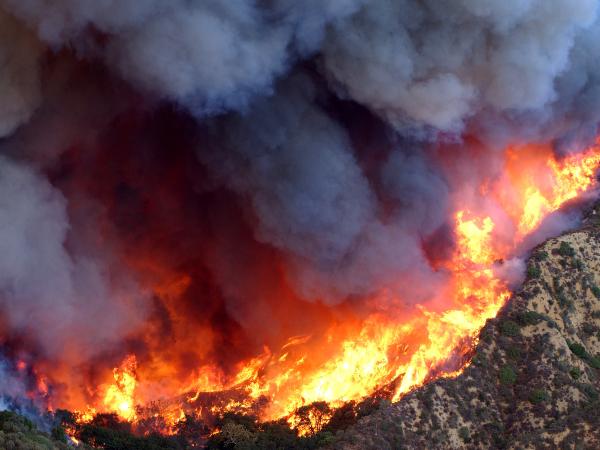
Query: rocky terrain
{"points": [[534, 380]]}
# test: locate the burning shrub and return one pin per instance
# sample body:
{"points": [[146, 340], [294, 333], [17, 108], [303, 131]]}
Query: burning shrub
{"points": [[243, 432], [311, 419], [311, 426], [343, 417]]}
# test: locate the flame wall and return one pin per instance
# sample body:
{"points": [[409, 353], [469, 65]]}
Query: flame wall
{"points": [[272, 200]]}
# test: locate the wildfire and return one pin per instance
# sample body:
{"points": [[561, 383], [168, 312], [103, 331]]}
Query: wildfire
{"points": [[546, 185], [119, 397], [395, 354]]}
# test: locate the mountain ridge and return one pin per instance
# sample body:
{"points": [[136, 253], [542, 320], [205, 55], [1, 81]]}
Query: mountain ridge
{"points": [[534, 379]]}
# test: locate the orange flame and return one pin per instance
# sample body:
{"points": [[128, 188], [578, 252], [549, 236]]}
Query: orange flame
{"points": [[355, 359], [119, 397], [541, 185]]}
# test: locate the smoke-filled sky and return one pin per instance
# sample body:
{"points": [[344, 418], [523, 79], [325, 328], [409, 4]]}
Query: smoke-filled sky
{"points": [[282, 155]]}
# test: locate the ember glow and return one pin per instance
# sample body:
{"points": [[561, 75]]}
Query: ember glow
{"points": [[119, 397], [382, 353]]}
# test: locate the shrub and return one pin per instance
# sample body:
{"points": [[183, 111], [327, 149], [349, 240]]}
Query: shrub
{"points": [[542, 255], [58, 434], [325, 438], [479, 360], [594, 362], [507, 375], [529, 318], [563, 301], [513, 352], [537, 396], [590, 391], [275, 435], [565, 249], [342, 418], [533, 271], [464, 434], [18, 432], [313, 417], [509, 328], [236, 435], [577, 349], [575, 373], [580, 351], [596, 291]]}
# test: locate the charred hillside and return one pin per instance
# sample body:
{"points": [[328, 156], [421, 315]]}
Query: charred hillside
{"points": [[534, 380]]}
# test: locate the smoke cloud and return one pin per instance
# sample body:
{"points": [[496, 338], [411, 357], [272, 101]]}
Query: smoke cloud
{"points": [[19, 79], [43, 287]]}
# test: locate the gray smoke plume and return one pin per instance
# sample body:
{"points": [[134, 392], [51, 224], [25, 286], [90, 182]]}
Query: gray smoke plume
{"points": [[416, 63], [312, 200], [208, 55], [438, 63], [47, 292]]}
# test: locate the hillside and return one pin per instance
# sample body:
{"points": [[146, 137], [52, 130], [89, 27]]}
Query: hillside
{"points": [[18, 433], [534, 380]]}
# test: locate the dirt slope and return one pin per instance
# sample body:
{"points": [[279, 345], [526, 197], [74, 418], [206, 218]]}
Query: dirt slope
{"points": [[534, 381]]}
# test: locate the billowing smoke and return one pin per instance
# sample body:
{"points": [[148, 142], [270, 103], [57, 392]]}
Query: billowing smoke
{"points": [[44, 287], [438, 64], [176, 173]]}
